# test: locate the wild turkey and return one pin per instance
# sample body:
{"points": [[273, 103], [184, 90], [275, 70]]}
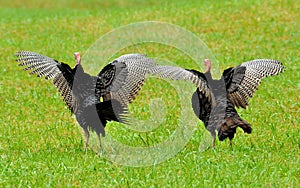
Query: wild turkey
{"points": [[93, 99], [214, 101]]}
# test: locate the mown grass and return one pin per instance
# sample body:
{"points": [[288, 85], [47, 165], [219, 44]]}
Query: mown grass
{"points": [[40, 144]]}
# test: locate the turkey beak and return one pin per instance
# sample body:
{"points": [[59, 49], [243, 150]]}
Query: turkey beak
{"points": [[77, 58]]}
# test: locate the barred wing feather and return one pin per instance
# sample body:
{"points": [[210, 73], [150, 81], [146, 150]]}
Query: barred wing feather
{"points": [[243, 80], [49, 68], [177, 73], [131, 71]]}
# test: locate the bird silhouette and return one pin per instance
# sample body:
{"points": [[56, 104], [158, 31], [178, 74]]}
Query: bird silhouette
{"points": [[94, 100]]}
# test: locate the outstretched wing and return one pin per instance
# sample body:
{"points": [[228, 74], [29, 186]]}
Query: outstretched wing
{"points": [[177, 73], [242, 81], [124, 77], [61, 73]]}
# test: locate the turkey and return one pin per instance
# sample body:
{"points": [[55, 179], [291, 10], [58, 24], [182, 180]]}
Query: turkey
{"points": [[214, 101], [93, 99]]}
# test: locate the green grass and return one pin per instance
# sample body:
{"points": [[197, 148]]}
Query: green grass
{"points": [[40, 144]]}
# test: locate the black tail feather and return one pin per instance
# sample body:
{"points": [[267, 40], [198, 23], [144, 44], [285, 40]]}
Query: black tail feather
{"points": [[228, 129]]}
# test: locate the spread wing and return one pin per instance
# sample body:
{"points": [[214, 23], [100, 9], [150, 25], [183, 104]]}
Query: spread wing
{"points": [[49, 68], [242, 81], [124, 77], [177, 73]]}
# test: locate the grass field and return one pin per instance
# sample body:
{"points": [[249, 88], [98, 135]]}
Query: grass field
{"points": [[41, 146]]}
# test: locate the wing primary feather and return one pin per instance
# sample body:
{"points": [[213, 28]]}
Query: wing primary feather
{"points": [[49, 68], [242, 81]]}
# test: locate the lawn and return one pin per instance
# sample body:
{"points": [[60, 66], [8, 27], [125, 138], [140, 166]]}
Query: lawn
{"points": [[41, 144]]}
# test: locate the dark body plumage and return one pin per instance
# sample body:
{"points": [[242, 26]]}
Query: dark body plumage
{"points": [[214, 101], [221, 117], [94, 100]]}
